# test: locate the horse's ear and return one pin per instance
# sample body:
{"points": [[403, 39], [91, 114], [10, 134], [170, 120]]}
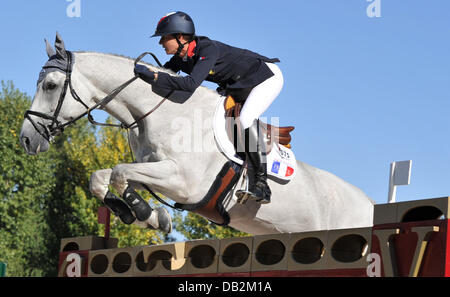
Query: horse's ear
{"points": [[50, 51], [60, 47]]}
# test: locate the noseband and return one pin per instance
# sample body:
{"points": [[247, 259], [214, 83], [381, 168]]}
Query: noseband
{"points": [[56, 127]]}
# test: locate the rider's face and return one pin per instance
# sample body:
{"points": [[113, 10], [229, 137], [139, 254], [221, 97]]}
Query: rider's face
{"points": [[170, 44]]}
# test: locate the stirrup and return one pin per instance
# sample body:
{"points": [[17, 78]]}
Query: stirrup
{"points": [[245, 194]]}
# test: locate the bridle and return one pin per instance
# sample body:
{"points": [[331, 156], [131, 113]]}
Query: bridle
{"points": [[56, 127]]}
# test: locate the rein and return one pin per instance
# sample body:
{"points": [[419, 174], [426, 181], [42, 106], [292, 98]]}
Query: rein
{"points": [[210, 203], [56, 127]]}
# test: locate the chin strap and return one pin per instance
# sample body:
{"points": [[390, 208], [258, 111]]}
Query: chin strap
{"points": [[180, 45]]}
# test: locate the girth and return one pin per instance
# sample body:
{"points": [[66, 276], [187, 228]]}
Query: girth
{"points": [[211, 206]]}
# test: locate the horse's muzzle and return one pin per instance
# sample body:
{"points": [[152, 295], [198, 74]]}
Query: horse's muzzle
{"points": [[32, 142]]}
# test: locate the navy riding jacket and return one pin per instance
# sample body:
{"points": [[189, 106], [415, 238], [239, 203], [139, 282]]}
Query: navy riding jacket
{"points": [[210, 60]]}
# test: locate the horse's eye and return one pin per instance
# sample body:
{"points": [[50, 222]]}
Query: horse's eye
{"points": [[50, 86]]}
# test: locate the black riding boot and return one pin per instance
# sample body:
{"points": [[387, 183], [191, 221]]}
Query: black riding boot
{"points": [[255, 150]]}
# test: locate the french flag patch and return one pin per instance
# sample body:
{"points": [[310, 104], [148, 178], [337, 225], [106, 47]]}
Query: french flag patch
{"points": [[202, 58], [275, 167], [289, 171]]}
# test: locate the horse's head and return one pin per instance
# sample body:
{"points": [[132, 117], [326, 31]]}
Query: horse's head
{"points": [[53, 106]]}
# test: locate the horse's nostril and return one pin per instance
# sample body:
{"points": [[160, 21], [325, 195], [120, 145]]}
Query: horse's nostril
{"points": [[26, 142]]}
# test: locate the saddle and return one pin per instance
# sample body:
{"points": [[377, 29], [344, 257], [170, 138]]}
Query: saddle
{"points": [[280, 160], [274, 134]]}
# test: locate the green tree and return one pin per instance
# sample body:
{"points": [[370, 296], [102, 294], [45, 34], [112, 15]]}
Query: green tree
{"points": [[26, 182], [46, 198], [193, 226], [88, 152]]}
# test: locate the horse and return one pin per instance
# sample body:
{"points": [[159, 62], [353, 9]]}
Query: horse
{"points": [[175, 149]]}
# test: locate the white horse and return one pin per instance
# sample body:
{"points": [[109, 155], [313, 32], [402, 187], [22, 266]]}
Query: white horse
{"points": [[313, 200]]}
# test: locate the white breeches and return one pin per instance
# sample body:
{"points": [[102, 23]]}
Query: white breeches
{"points": [[261, 97]]}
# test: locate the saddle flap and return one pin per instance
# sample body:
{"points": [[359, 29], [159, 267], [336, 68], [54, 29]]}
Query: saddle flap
{"points": [[281, 161], [281, 135]]}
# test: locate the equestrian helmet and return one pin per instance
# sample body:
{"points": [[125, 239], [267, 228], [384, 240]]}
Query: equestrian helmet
{"points": [[175, 22]]}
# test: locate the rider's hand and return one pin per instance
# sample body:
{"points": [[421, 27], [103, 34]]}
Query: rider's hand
{"points": [[144, 73]]}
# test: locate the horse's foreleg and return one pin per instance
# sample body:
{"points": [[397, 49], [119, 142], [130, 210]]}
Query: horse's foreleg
{"points": [[99, 187], [99, 183], [157, 175]]}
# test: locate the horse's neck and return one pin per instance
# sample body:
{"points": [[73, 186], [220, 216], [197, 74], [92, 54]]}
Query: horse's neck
{"points": [[107, 72], [154, 140]]}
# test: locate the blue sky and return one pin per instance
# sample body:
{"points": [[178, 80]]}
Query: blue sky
{"points": [[362, 92]]}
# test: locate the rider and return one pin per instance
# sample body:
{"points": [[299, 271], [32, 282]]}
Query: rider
{"points": [[247, 76]]}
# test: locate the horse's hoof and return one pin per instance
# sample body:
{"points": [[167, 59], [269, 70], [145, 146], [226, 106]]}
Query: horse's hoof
{"points": [[138, 206], [164, 220], [119, 208]]}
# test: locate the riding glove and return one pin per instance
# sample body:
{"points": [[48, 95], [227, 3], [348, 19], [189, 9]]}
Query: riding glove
{"points": [[144, 73]]}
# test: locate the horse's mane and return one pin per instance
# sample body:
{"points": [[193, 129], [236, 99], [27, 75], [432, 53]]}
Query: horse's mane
{"points": [[143, 62], [130, 59]]}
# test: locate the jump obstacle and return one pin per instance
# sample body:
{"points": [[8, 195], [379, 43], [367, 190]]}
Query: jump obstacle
{"points": [[409, 238]]}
